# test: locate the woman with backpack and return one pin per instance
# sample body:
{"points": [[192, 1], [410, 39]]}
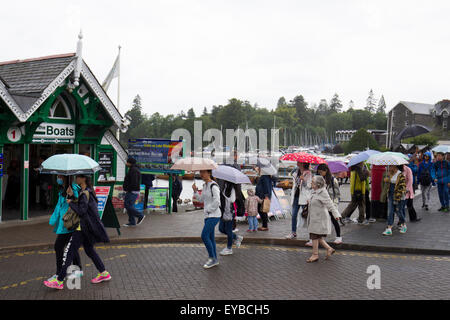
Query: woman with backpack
{"points": [[211, 199], [63, 235], [332, 186], [358, 177], [90, 230], [227, 200], [425, 178]]}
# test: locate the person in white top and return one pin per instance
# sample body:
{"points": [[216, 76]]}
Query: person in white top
{"points": [[210, 197], [300, 194]]}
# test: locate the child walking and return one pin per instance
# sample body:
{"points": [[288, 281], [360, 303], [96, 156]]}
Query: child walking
{"points": [[251, 206]]}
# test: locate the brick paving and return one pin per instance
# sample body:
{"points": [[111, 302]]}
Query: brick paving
{"points": [[174, 271], [433, 232]]}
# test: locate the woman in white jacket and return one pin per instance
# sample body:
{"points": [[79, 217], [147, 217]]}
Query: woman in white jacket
{"points": [[211, 199], [300, 193], [319, 221]]}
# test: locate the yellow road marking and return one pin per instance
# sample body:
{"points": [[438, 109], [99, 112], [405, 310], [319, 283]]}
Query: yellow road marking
{"points": [[22, 283]]}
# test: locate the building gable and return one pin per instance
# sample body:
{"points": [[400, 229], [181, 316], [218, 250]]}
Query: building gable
{"points": [[25, 85]]}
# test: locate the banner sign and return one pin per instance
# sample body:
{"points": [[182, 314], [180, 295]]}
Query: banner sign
{"points": [[102, 196], [157, 198], [54, 133], [155, 155]]}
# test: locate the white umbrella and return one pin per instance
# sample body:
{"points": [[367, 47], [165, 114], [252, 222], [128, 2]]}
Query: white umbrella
{"points": [[194, 164], [230, 174], [386, 159]]}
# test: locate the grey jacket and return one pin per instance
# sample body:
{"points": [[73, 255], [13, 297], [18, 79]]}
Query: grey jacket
{"points": [[319, 221], [211, 201], [228, 213]]}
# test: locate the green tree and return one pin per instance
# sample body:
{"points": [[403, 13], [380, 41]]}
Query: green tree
{"points": [[335, 104], [381, 106], [424, 139], [371, 102]]}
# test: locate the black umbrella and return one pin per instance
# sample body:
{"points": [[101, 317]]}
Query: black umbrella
{"points": [[412, 131]]}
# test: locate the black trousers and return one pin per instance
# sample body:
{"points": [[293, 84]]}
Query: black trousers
{"points": [[60, 243], [146, 197], [368, 206], [76, 240], [175, 205], [411, 210], [264, 216], [335, 223]]}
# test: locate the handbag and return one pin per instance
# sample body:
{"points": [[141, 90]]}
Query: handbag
{"points": [[266, 206], [71, 220], [358, 196], [305, 212]]}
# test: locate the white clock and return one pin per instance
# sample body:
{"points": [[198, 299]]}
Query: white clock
{"points": [[14, 134]]}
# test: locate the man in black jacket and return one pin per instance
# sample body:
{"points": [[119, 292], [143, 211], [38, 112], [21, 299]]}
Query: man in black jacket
{"points": [[132, 187]]}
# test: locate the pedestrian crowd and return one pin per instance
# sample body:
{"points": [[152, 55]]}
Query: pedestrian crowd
{"points": [[314, 200]]}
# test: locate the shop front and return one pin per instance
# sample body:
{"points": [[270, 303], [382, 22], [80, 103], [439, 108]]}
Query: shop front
{"points": [[49, 106]]}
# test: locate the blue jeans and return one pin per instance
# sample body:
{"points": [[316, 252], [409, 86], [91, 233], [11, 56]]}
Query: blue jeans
{"points": [[208, 236], [395, 208], [443, 194], [295, 209], [252, 223], [130, 199], [226, 227]]}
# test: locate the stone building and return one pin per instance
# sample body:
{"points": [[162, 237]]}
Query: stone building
{"points": [[408, 113]]}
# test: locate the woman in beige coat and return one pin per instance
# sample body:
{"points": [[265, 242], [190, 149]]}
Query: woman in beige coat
{"points": [[319, 221]]}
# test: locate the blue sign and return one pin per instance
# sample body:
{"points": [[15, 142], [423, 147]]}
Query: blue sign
{"points": [[156, 155]]}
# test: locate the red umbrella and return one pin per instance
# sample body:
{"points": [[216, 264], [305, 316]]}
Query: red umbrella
{"points": [[303, 157]]}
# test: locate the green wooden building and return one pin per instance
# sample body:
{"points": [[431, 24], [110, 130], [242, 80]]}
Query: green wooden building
{"points": [[53, 105]]}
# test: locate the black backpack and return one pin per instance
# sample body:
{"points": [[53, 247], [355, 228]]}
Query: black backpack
{"points": [[425, 178]]}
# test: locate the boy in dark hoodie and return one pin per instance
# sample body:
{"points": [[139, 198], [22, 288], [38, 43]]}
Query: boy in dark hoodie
{"points": [[441, 177]]}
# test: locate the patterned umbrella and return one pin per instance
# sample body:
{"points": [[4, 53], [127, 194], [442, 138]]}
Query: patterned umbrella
{"points": [[303, 157], [386, 159]]}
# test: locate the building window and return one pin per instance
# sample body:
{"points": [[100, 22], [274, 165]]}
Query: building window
{"points": [[444, 124], [60, 110], [406, 123]]}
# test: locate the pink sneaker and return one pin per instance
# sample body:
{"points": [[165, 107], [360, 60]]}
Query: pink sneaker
{"points": [[249, 230], [54, 284], [105, 276]]}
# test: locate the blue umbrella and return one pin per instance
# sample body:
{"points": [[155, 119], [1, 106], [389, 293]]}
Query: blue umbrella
{"points": [[69, 164], [230, 174], [363, 156]]}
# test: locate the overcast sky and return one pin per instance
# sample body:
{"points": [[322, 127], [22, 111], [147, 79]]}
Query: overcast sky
{"points": [[179, 54]]}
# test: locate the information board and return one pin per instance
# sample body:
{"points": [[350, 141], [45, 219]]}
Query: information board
{"points": [[155, 155], [118, 197], [157, 198], [105, 160]]}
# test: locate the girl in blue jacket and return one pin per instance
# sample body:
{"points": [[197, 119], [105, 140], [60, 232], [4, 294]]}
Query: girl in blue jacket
{"points": [[63, 235]]}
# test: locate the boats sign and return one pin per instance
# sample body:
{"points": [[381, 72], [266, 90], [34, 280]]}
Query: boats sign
{"points": [[54, 133]]}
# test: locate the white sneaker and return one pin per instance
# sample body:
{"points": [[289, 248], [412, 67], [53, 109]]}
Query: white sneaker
{"points": [[235, 230], [239, 241], [309, 243], [226, 252], [291, 236], [372, 220], [338, 240], [75, 274]]}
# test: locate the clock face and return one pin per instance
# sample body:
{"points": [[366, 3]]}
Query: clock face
{"points": [[14, 134]]}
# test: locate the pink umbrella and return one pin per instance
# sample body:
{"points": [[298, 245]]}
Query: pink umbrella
{"points": [[337, 166], [303, 157]]}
